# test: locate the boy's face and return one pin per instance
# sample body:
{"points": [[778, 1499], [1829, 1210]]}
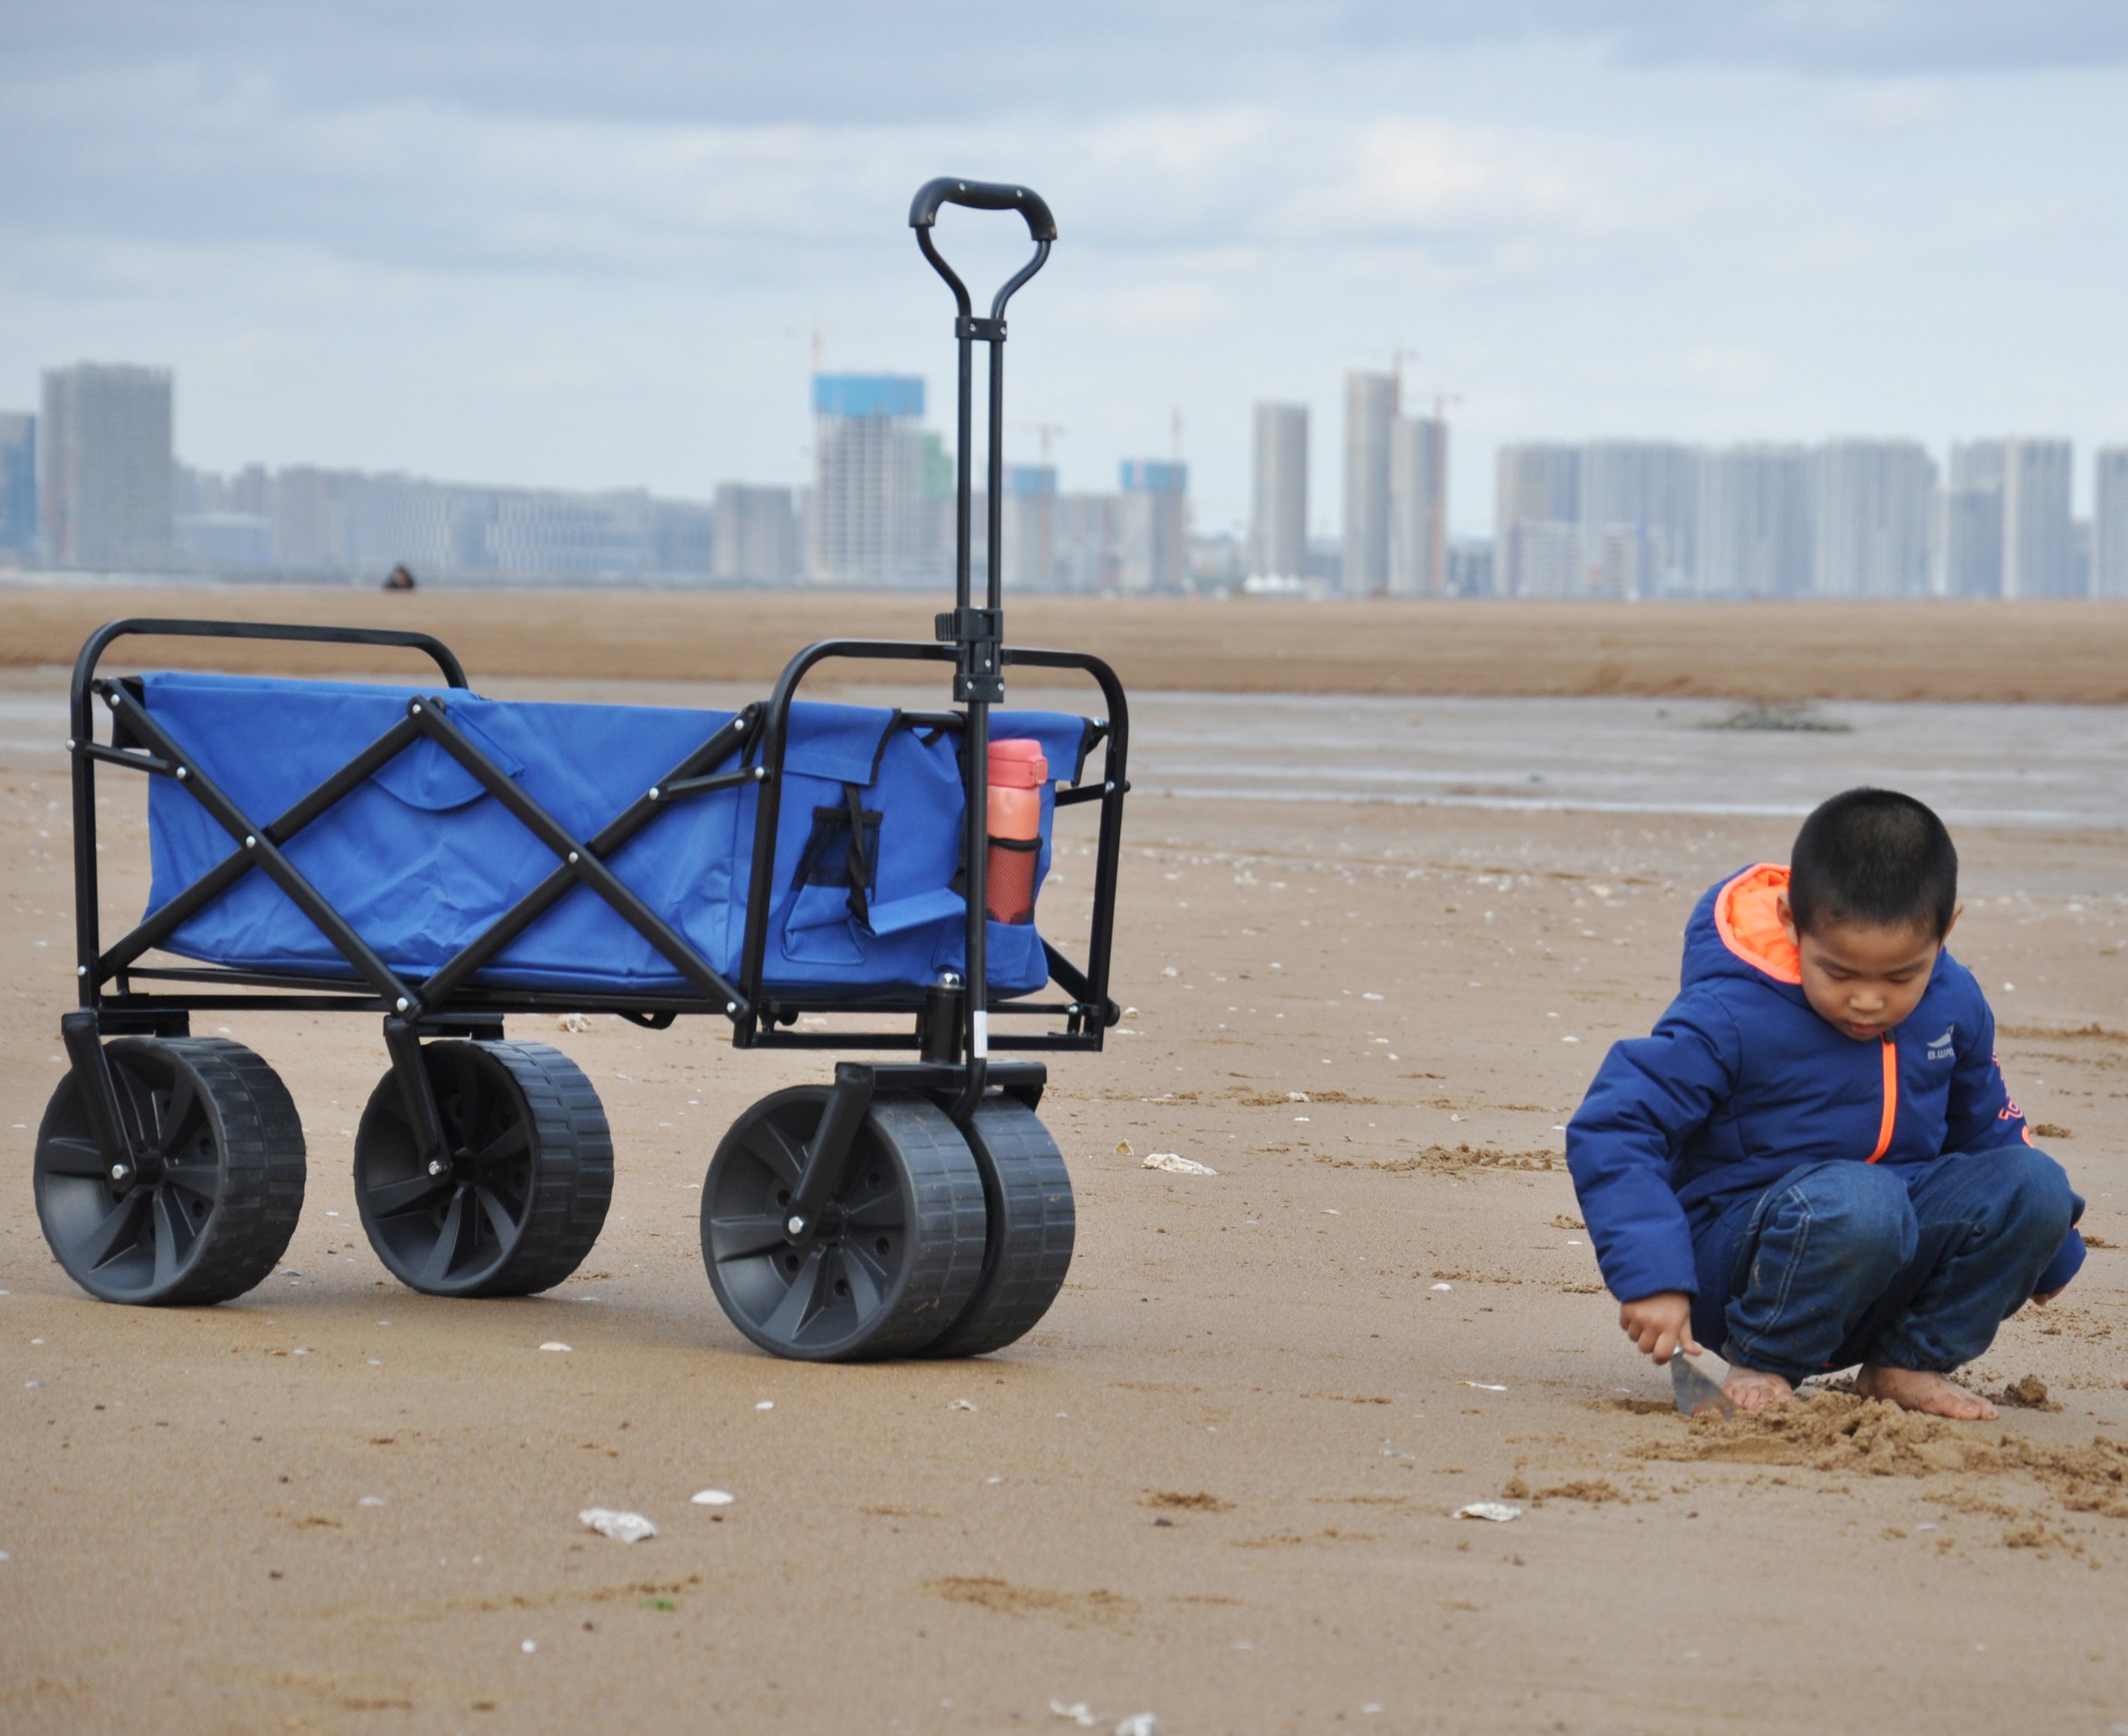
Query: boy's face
{"points": [[1864, 978]]}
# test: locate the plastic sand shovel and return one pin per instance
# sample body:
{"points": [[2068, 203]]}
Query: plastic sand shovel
{"points": [[1696, 1395]]}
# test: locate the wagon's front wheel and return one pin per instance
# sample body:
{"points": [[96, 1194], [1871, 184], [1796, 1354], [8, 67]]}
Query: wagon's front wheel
{"points": [[518, 1197], [1033, 1221], [893, 1259], [217, 1188]]}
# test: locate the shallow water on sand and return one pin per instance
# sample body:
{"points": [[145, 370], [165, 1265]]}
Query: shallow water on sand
{"points": [[1979, 764], [2043, 766]]}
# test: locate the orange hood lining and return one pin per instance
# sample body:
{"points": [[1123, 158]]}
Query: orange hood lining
{"points": [[1747, 916]]}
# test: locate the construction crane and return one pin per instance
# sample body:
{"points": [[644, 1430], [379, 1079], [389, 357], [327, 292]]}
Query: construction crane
{"points": [[1043, 431]]}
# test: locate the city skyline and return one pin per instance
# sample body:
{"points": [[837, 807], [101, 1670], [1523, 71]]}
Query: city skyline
{"points": [[1607, 518], [601, 265]]}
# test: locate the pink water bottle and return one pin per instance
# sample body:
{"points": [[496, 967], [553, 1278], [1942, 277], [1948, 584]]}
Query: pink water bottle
{"points": [[1017, 773]]}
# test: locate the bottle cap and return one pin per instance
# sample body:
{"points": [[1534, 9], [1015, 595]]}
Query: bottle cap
{"points": [[1018, 765]]}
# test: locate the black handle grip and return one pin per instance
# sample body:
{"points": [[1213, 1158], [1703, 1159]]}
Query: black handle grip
{"points": [[982, 195]]}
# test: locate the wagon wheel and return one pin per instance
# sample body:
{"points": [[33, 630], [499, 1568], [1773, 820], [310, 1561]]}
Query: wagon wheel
{"points": [[520, 1197], [217, 1189], [897, 1251], [1028, 1194]]}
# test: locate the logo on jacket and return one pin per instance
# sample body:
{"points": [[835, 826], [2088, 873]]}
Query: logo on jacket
{"points": [[1940, 1047]]}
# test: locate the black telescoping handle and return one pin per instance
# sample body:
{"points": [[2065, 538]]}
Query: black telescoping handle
{"points": [[982, 195]]}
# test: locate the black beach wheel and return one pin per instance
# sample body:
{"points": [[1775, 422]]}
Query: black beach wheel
{"points": [[896, 1253], [1027, 1193], [217, 1190], [521, 1196]]}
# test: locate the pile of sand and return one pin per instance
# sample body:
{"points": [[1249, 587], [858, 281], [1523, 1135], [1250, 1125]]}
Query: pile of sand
{"points": [[1838, 1431], [1457, 1160]]}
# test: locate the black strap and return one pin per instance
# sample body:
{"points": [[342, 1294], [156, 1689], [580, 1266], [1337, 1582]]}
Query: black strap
{"points": [[886, 735], [853, 794]]}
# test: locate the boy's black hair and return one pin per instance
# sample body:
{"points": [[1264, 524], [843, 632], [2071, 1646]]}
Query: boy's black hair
{"points": [[1875, 856]]}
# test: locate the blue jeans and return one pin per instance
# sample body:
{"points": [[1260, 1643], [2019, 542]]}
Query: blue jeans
{"points": [[1842, 1263]]}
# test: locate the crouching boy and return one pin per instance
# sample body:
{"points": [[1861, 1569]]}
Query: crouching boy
{"points": [[1813, 1161]]}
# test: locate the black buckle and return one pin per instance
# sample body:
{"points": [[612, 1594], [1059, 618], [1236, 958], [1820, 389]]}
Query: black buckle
{"points": [[974, 325], [979, 670]]}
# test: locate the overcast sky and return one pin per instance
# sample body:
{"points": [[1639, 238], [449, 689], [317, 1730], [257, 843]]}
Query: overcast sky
{"points": [[586, 246]]}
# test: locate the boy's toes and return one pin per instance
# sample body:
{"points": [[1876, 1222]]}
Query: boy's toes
{"points": [[1915, 1389], [1750, 1390]]}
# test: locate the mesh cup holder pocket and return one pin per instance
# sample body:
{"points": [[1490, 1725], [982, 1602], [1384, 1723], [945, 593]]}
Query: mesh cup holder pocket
{"points": [[1009, 894]]}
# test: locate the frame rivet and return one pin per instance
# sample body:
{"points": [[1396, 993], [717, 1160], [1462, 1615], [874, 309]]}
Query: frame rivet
{"points": [[417, 708], [795, 1225], [435, 1166], [183, 774], [731, 1008], [654, 792], [70, 744], [572, 857], [81, 971], [118, 1172], [760, 772], [251, 843], [399, 1005]]}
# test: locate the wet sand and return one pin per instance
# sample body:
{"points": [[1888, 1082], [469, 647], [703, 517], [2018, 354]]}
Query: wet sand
{"points": [[2068, 652], [1216, 1483]]}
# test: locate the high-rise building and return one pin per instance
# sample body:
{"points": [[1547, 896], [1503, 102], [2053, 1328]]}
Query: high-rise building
{"points": [[1471, 567], [1537, 521], [1872, 504], [1370, 411], [2109, 523], [105, 466], [1027, 534], [1969, 520], [1088, 554], [18, 480], [310, 528], [1639, 503], [1754, 532], [2036, 549], [1152, 526], [755, 538], [1418, 507], [1278, 498], [874, 513], [683, 539]]}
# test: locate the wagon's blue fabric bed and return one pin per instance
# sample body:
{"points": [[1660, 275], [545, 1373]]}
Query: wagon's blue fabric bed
{"points": [[420, 859]]}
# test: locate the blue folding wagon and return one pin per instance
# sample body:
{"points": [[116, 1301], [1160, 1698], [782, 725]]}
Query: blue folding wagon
{"points": [[450, 861]]}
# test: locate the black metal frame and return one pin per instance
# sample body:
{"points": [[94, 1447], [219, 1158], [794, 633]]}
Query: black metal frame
{"points": [[449, 998], [951, 1018]]}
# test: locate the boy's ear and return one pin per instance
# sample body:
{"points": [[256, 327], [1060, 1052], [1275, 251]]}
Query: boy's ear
{"points": [[1789, 920], [1956, 912]]}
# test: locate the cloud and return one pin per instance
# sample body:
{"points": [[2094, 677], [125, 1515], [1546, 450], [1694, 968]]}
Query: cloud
{"points": [[545, 242]]}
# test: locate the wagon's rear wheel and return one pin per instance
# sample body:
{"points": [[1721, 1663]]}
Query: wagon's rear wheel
{"points": [[219, 1184], [520, 1197], [1033, 1219], [896, 1253]]}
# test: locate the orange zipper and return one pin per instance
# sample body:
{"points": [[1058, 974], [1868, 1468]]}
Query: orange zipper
{"points": [[1891, 1098]]}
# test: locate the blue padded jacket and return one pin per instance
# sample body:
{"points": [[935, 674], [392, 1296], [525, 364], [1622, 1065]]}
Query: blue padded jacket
{"points": [[1742, 1082]]}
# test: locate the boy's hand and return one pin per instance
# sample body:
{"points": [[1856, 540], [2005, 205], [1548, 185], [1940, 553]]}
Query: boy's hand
{"points": [[1660, 1324]]}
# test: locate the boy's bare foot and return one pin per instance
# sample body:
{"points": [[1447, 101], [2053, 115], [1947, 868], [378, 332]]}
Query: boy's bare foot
{"points": [[1750, 1390], [1915, 1389]]}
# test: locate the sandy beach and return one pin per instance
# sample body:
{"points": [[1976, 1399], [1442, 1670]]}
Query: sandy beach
{"points": [[1217, 1482], [2067, 652]]}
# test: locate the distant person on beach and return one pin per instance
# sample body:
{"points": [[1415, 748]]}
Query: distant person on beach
{"points": [[399, 579], [1814, 1161]]}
